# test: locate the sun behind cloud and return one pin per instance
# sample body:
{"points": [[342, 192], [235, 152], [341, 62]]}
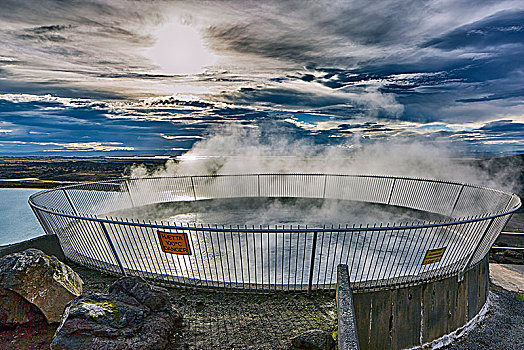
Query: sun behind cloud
{"points": [[180, 50]]}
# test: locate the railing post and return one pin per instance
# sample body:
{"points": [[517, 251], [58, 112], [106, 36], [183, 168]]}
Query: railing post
{"points": [[70, 203], [113, 248], [392, 188], [463, 271], [193, 186], [324, 190], [312, 264], [129, 194], [258, 184], [347, 326], [456, 201]]}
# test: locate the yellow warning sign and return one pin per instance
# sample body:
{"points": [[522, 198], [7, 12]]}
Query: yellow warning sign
{"points": [[433, 256], [174, 243]]}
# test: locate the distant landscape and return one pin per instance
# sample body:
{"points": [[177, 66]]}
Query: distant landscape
{"points": [[48, 172]]}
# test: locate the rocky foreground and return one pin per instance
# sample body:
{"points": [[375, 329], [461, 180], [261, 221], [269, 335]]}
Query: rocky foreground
{"points": [[38, 290], [89, 310]]}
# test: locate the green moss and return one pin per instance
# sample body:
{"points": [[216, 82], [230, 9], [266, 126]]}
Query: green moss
{"points": [[108, 307], [520, 296]]}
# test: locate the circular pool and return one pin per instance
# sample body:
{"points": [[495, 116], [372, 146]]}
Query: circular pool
{"points": [[276, 231]]}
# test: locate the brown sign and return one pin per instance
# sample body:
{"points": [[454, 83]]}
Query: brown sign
{"points": [[174, 243], [433, 256]]}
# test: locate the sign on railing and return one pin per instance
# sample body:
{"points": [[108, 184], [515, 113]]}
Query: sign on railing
{"points": [[174, 243], [433, 256]]}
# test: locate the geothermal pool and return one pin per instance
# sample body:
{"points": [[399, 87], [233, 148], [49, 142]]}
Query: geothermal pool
{"points": [[283, 258], [276, 211], [276, 231]]}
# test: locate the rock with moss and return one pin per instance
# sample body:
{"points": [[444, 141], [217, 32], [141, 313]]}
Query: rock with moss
{"points": [[134, 315], [41, 281]]}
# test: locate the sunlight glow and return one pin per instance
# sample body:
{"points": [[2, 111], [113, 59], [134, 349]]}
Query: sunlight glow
{"points": [[180, 50]]}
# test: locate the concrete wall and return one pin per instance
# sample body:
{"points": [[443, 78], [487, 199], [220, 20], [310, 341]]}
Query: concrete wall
{"points": [[49, 244], [409, 316]]}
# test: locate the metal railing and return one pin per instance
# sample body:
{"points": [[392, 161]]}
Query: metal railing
{"points": [[276, 257]]}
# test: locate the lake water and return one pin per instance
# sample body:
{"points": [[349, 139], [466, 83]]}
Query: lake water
{"points": [[17, 221]]}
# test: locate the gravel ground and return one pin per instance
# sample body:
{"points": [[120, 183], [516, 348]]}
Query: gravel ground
{"points": [[224, 320], [503, 326]]}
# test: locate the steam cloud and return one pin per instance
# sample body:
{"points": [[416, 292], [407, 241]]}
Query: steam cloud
{"points": [[242, 150]]}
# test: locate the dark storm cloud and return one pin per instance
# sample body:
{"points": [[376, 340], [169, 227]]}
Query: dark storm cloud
{"points": [[505, 27], [45, 33], [325, 70]]}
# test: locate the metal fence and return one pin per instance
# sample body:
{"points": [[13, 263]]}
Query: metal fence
{"points": [[276, 257]]}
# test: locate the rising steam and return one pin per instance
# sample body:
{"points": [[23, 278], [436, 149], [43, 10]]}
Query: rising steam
{"points": [[243, 150]]}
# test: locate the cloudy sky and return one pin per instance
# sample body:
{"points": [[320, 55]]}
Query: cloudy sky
{"points": [[146, 77]]}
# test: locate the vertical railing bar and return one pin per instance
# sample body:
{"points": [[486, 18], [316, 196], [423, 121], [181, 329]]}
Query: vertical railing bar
{"points": [[91, 226], [234, 255], [336, 251], [129, 238], [391, 191], [158, 253], [56, 221], [304, 252], [328, 256], [70, 203], [466, 232], [324, 190], [129, 194], [153, 250], [457, 200], [113, 248], [255, 257], [193, 186], [399, 251], [444, 241], [73, 241], [258, 185], [214, 255], [320, 255], [312, 263], [289, 261], [222, 260], [247, 260], [207, 255], [460, 231], [282, 253], [202, 233], [367, 251], [383, 233], [461, 273], [241, 257], [261, 259], [373, 258], [426, 243], [269, 263]]}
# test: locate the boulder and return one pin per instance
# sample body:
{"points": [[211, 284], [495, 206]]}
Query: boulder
{"points": [[16, 311], [134, 315], [39, 280], [313, 340]]}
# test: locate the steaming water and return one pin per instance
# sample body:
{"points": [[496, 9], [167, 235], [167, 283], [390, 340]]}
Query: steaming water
{"points": [[276, 211], [281, 258]]}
